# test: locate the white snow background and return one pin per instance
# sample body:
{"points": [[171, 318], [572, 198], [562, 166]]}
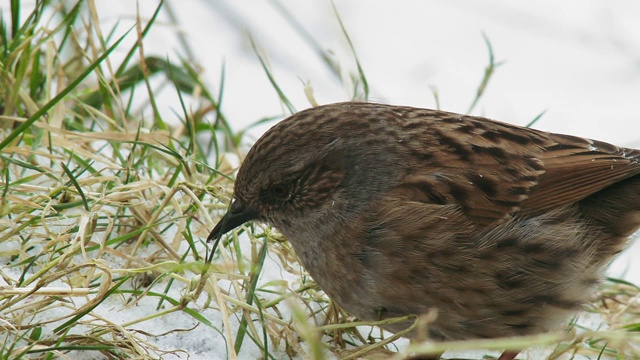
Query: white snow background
{"points": [[579, 61]]}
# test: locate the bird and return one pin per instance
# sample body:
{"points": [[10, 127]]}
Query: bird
{"points": [[394, 210]]}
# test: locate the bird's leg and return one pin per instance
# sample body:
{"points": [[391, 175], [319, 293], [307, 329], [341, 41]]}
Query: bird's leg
{"points": [[508, 355]]}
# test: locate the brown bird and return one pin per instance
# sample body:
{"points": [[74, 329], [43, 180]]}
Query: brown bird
{"points": [[396, 210]]}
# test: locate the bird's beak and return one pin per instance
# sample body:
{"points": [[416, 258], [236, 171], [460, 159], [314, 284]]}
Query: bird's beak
{"points": [[238, 214]]}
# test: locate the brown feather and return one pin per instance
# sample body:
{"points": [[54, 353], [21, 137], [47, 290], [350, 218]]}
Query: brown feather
{"points": [[504, 230], [577, 168]]}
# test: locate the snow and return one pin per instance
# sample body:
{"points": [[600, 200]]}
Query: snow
{"points": [[577, 61]]}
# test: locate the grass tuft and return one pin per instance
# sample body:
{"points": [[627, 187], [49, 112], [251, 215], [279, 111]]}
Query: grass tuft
{"points": [[104, 211]]}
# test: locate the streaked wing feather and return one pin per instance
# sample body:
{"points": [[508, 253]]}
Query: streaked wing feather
{"points": [[492, 169], [577, 168]]}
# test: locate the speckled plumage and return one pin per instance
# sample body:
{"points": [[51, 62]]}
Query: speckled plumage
{"points": [[395, 210]]}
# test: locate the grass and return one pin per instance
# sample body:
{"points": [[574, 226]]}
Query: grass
{"points": [[105, 209]]}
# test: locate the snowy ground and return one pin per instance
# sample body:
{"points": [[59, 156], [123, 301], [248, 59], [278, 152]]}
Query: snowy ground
{"points": [[578, 61]]}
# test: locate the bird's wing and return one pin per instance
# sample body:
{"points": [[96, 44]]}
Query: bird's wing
{"points": [[576, 168], [492, 169]]}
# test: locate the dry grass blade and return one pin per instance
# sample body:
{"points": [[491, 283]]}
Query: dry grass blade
{"points": [[104, 212], [93, 215]]}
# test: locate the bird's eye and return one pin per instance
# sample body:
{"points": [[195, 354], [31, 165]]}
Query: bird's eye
{"points": [[280, 191]]}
